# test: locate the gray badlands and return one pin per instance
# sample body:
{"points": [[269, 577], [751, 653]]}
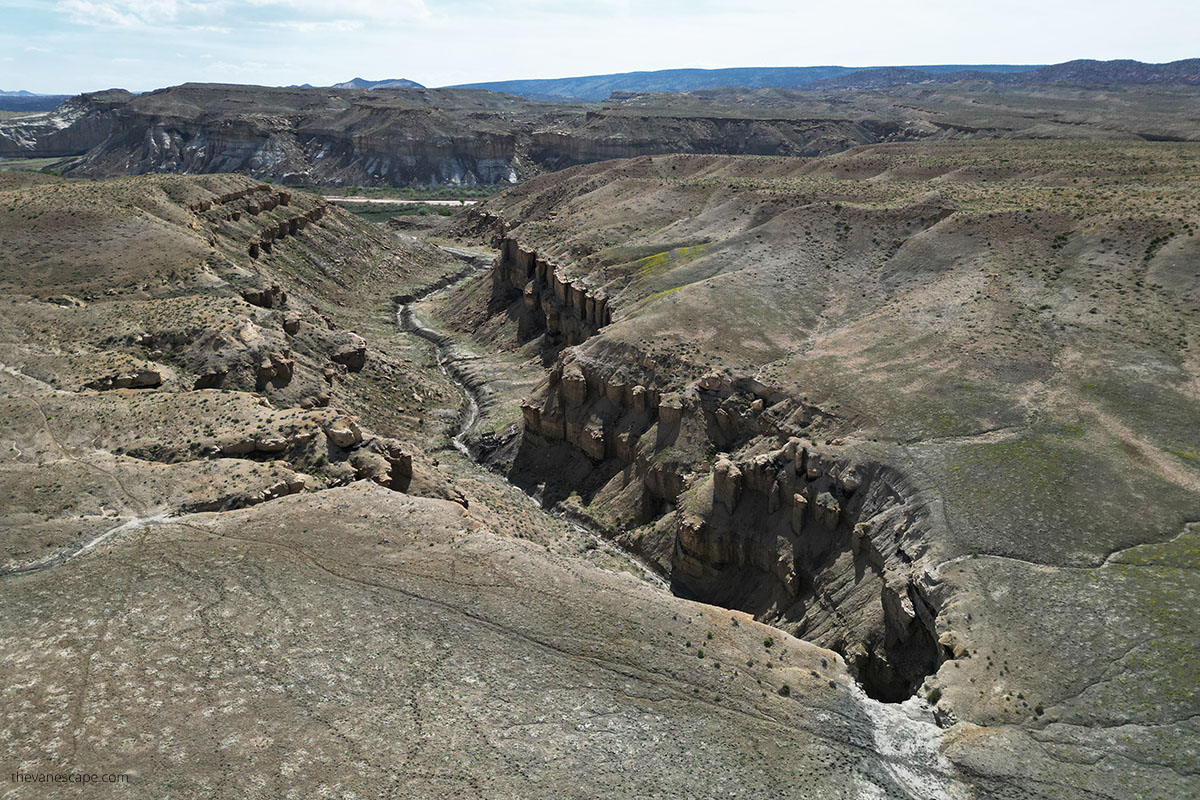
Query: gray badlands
{"points": [[751, 443]]}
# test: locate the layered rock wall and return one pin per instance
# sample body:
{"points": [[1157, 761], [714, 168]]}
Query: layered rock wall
{"points": [[800, 534], [565, 310], [438, 137]]}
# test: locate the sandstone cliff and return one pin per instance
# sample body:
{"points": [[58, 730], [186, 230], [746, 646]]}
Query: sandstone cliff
{"points": [[461, 136]]}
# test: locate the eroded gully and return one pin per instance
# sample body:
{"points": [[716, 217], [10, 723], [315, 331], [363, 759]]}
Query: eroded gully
{"points": [[904, 732], [450, 361]]}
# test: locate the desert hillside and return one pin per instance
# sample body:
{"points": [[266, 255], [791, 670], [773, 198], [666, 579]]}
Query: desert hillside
{"points": [[865, 475], [930, 406]]}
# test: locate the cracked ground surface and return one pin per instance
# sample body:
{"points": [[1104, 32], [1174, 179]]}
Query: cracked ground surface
{"points": [[361, 642]]}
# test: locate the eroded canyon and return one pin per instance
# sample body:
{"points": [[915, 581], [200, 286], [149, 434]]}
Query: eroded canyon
{"points": [[908, 432]]}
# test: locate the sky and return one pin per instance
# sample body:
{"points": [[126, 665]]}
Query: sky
{"points": [[69, 46]]}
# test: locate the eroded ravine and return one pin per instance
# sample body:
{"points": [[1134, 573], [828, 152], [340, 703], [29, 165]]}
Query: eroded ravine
{"points": [[449, 360], [905, 732], [809, 539], [127, 526]]}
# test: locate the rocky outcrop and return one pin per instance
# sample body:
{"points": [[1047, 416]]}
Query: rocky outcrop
{"points": [[275, 370], [291, 226], [272, 296], [147, 378], [564, 310], [350, 350], [227, 198], [804, 536], [256, 354], [323, 441]]}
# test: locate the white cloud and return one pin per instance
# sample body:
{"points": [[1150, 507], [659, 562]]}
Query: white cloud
{"points": [[306, 15], [121, 13], [364, 11]]}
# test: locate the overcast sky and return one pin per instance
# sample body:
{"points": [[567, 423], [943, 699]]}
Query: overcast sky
{"points": [[68, 46]]}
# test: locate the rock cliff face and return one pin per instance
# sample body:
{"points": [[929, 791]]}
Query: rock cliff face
{"points": [[75, 127], [801, 535], [328, 136], [461, 136], [564, 310]]}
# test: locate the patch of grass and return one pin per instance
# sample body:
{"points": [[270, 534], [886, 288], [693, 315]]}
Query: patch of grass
{"points": [[384, 212], [27, 164], [659, 263]]}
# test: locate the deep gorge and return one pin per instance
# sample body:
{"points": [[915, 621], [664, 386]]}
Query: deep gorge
{"points": [[768, 522]]}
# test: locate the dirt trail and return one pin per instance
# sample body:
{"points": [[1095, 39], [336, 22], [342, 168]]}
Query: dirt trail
{"points": [[128, 526]]}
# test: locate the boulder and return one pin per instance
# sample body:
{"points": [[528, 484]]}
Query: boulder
{"points": [[372, 466], [351, 353], [67, 301], [235, 446], [291, 322], [399, 459], [343, 432], [716, 382], [213, 378], [145, 378], [270, 443], [276, 369], [302, 482]]}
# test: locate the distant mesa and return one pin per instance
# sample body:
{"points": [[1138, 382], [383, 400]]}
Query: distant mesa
{"points": [[22, 100], [596, 88], [386, 83], [1082, 71]]}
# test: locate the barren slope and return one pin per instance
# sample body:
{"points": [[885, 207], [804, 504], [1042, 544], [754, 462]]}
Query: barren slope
{"points": [[932, 406], [239, 559]]}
